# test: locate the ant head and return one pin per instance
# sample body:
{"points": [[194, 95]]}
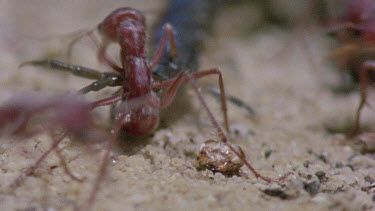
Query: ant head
{"points": [[110, 24]]}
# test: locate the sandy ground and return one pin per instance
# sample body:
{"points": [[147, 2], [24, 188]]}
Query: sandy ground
{"points": [[296, 112]]}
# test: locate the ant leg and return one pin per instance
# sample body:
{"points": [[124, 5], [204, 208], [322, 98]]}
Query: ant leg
{"points": [[105, 160], [236, 101], [225, 140], [102, 56], [66, 169], [107, 101], [112, 109], [183, 78], [102, 170], [167, 33], [75, 70], [78, 36], [186, 76], [29, 170], [363, 81], [173, 86]]}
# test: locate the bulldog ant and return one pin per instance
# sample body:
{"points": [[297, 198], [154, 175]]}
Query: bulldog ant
{"points": [[136, 106], [356, 32]]}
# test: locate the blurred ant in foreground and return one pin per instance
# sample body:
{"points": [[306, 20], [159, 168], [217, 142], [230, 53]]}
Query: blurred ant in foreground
{"points": [[355, 31], [136, 105]]}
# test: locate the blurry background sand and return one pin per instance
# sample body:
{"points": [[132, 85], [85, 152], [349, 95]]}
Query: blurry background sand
{"points": [[294, 103]]}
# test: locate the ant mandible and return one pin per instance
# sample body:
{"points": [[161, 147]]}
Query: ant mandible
{"points": [[138, 112]]}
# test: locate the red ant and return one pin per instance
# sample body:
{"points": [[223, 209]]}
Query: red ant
{"points": [[138, 111], [356, 32]]}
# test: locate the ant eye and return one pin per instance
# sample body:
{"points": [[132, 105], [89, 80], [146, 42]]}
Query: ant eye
{"points": [[100, 26]]}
